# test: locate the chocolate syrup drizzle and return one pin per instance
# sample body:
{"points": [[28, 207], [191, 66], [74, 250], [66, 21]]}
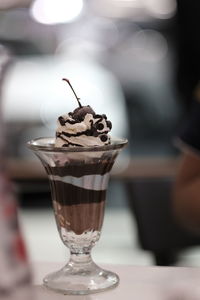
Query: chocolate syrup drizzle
{"points": [[89, 132]]}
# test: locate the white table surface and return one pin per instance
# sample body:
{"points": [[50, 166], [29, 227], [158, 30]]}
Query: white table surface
{"points": [[136, 283]]}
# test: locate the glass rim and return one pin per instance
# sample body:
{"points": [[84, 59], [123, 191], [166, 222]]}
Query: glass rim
{"points": [[116, 143]]}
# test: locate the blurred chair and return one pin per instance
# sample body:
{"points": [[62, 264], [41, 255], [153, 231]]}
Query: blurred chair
{"points": [[158, 232]]}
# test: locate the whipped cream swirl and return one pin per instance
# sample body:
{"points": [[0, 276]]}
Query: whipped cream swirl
{"points": [[82, 128]]}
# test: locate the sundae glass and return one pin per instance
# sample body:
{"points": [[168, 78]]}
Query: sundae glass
{"points": [[78, 177]]}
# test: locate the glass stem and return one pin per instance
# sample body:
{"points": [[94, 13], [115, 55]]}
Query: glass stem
{"points": [[80, 259]]}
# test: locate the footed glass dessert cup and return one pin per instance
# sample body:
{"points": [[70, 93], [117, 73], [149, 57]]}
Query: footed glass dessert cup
{"points": [[78, 179]]}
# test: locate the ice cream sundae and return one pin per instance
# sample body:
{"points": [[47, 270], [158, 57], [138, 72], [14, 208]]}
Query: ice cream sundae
{"points": [[78, 162]]}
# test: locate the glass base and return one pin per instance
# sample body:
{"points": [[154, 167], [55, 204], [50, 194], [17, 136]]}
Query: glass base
{"points": [[76, 280]]}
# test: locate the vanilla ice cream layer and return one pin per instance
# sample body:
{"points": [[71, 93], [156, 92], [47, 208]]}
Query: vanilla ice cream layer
{"points": [[88, 182]]}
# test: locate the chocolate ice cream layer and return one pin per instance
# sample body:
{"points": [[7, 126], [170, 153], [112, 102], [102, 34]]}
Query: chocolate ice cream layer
{"points": [[80, 218]]}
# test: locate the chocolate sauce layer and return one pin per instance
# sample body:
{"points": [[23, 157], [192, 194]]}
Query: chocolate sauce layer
{"points": [[74, 168], [68, 194]]}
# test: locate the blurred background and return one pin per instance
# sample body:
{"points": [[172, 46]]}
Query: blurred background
{"points": [[122, 59]]}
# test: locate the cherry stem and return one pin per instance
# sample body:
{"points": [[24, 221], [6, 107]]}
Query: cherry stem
{"points": [[67, 80]]}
